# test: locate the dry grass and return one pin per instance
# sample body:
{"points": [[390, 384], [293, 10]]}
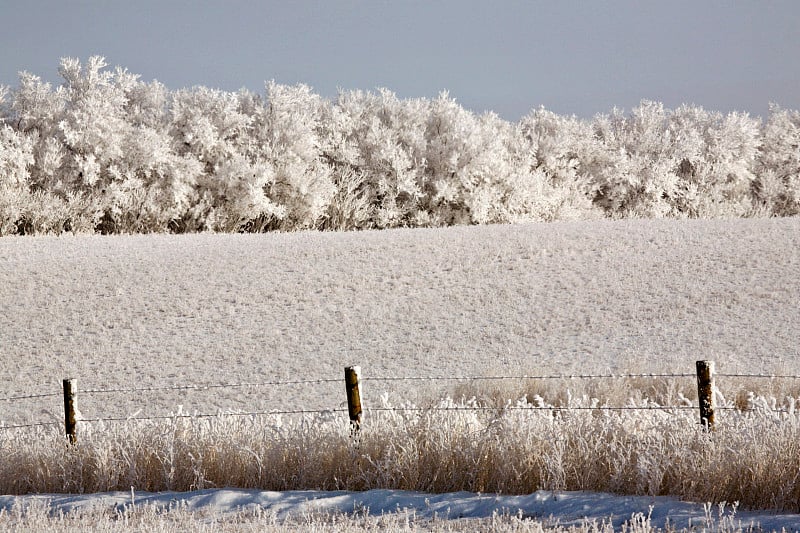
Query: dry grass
{"points": [[744, 393], [753, 457]]}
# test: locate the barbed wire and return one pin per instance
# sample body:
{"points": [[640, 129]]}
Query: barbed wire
{"points": [[757, 376], [207, 386], [535, 408], [436, 378], [214, 415], [546, 376], [575, 376], [415, 409], [183, 416], [31, 425], [29, 396]]}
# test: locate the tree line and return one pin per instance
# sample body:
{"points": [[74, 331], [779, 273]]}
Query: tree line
{"points": [[106, 152]]}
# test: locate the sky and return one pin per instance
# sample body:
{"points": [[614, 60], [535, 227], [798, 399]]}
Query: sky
{"points": [[572, 57]]}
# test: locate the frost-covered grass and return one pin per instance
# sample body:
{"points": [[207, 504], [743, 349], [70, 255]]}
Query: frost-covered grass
{"points": [[153, 519], [753, 457], [742, 393], [177, 517]]}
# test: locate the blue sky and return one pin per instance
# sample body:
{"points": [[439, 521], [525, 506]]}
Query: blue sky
{"points": [[571, 57]]}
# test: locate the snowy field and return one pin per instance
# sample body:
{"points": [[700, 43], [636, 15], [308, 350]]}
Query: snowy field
{"points": [[567, 297]]}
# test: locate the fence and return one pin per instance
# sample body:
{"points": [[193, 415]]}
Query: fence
{"points": [[705, 375]]}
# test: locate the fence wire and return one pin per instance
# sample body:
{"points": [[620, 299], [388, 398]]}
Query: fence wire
{"points": [[29, 396], [31, 425], [209, 386], [575, 376], [757, 376], [498, 408], [215, 415], [523, 377], [419, 410], [502, 408]]}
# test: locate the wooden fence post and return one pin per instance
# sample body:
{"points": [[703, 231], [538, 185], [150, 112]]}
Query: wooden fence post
{"points": [[705, 393], [70, 399], [352, 375]]}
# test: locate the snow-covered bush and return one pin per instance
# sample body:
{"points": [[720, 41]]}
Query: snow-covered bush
{"points": [[632, 164], [16, 156], [206, 130], [93, 129], [36, 110], [290, 133], [682, 163], [25, 208], [381, 139], [778, 181], [721, 182], [558, 184], [122, 155]]}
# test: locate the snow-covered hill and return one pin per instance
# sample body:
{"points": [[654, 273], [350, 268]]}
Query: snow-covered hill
{"points": [[567, 297]]}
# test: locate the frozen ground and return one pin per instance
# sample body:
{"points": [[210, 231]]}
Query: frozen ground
{"points": [[156, 310], [568, 508]]}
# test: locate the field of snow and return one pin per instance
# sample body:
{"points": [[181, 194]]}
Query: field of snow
{"points": [[566, 297]]}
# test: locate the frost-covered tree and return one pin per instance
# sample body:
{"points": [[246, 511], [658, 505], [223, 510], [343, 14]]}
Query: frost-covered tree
{"points": [[24, 209], [683, 163], [732, 145], [529, 194], [36, 109], [778, 183], [288, 134], [208, 124], [93, 124], [633, 165], [469, 163], [561, 147], [352, 204], [16, 156], [716, 158], [380, 139], [210, 130], [156, 182]]}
